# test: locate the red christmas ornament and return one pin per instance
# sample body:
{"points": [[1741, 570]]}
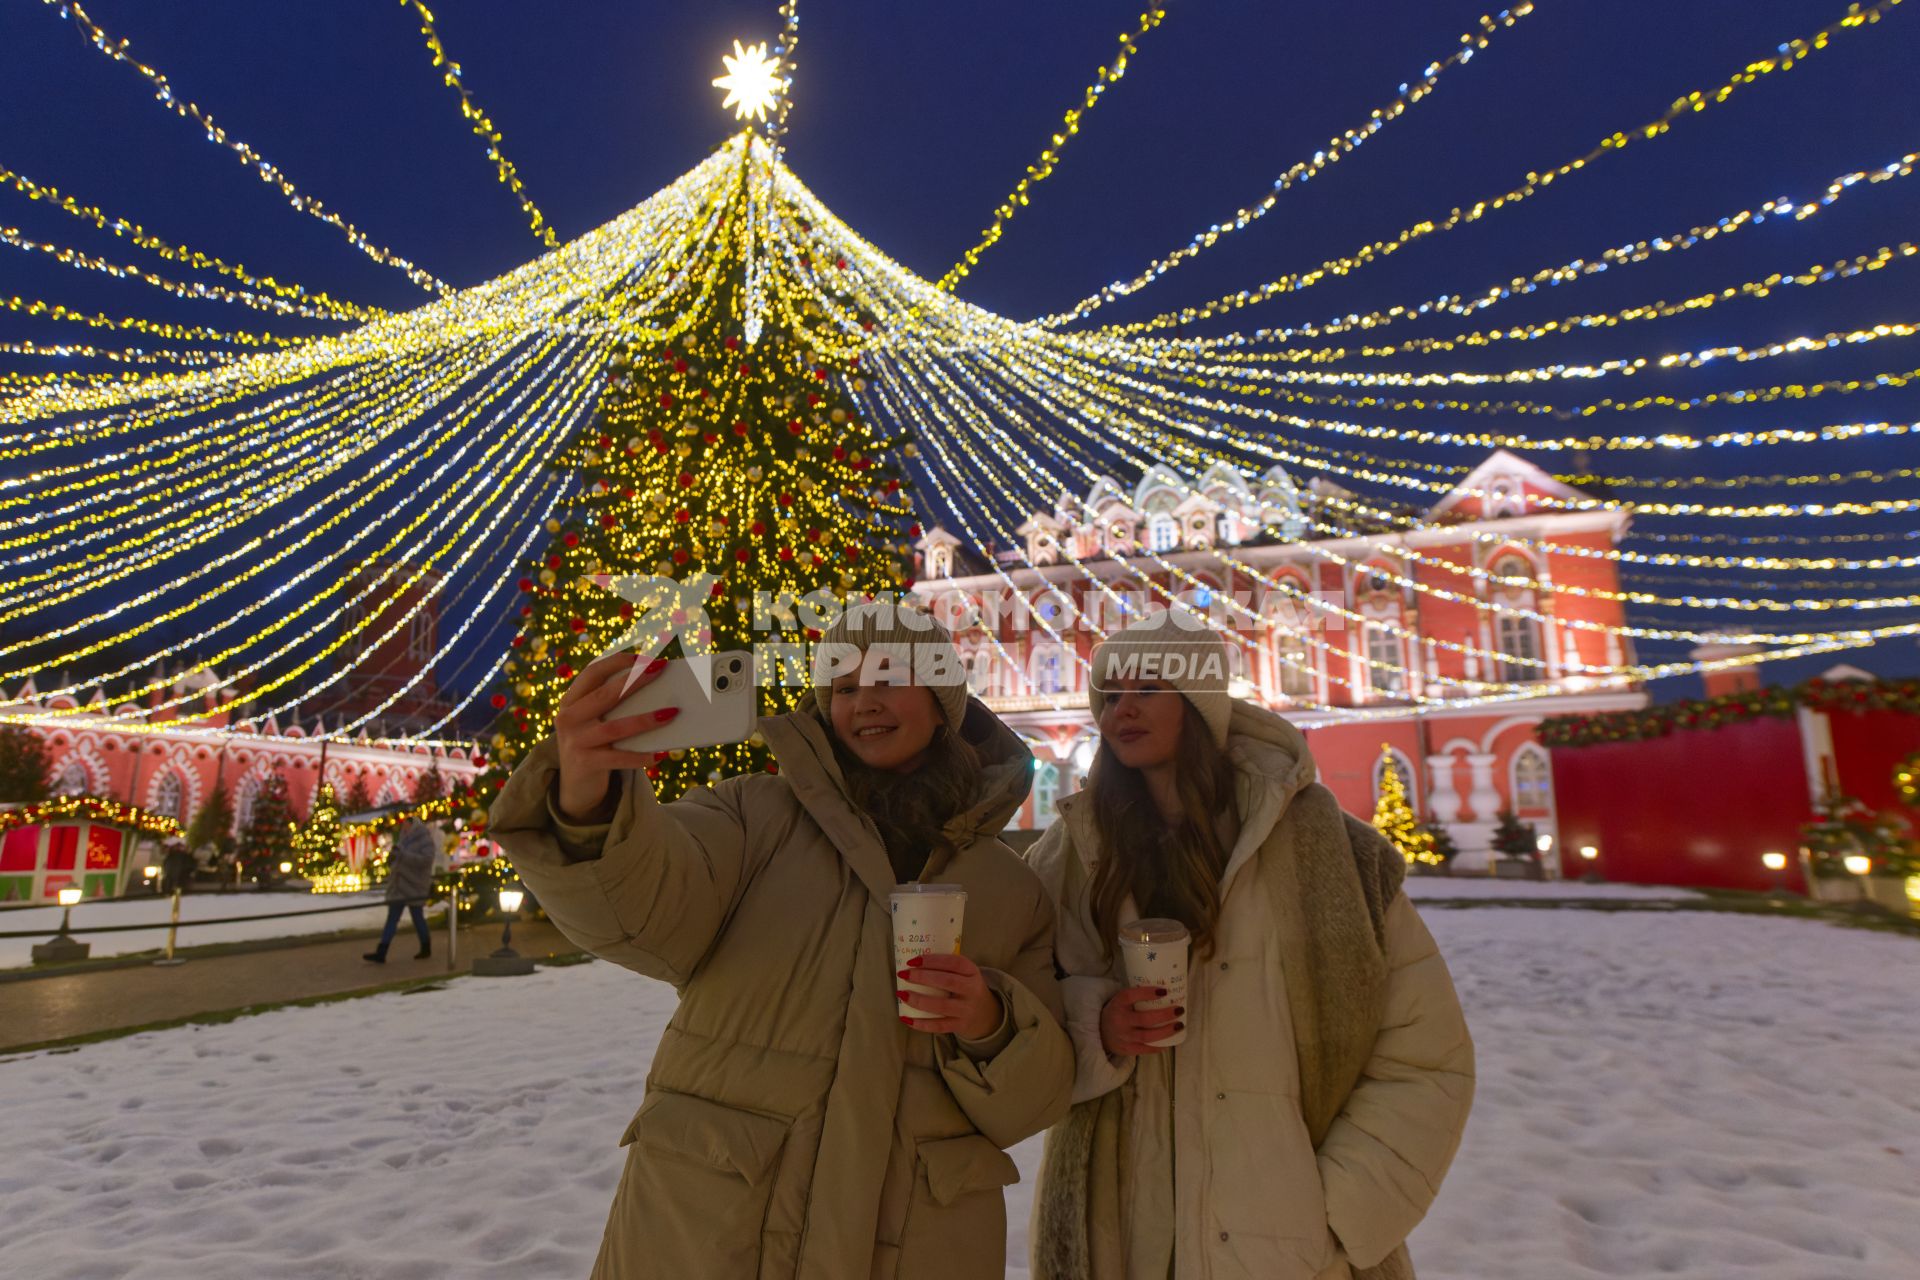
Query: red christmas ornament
{"points": [[609, 521], [813, 535], [666, 400], [526, 611], [742, 554], [839, 453], [554, 562], [686, 480], [578, 624], [840, 263], [796, 427], [679, 555], [893, 486], [786, 499], [740, 428], [733, 344], [564, 671], [913, 530], [571, 538], [526, 584], [820, 374], [499, 701], [682, 516], [786, 553], [757, 529], [626, 613], [680, 366]]}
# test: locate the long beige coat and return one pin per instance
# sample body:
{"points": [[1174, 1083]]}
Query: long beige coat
{"points": [[1233, 1187], [792, 1126]]}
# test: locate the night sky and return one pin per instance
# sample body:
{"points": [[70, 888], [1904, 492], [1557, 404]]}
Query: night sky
{"points": [[914, 118]]}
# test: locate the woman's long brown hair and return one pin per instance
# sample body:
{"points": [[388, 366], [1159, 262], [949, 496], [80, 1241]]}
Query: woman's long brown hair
{"points": [[911, 808], [1171, 870]]}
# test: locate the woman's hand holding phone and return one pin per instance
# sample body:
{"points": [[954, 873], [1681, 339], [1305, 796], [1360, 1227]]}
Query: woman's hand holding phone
{"points": [[585, 741]]}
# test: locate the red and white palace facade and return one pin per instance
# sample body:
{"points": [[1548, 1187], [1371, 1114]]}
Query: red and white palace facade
{"points": [[120, 751], [1339, 640]]}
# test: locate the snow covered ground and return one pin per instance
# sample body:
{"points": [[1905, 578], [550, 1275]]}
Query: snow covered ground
{"points": [[15, 952], [1700, 1096], [1420, 888]]}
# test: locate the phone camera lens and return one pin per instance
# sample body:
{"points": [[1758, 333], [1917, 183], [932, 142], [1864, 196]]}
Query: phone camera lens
{"points": [[721, 683]]}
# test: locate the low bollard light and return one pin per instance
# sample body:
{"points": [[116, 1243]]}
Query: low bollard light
{"points": [[506, 962], [63, 947]]}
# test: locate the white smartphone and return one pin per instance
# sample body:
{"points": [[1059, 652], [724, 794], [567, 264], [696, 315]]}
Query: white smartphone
{"points": [[719, 705]]}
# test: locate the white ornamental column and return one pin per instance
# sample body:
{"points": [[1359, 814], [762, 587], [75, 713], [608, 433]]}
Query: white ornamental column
{"points": [[1484, 800], [1443, 802]]}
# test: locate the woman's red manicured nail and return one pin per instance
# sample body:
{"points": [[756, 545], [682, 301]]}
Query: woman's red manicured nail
{"points": [[903, 994], [1179, 1026], [658, 664], [1179, 1010], [1160, 991], [905, 1019], [665, 714], [903, 974], [914, 963]]}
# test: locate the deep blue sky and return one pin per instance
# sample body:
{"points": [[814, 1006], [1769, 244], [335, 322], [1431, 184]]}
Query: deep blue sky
{"points": [[914, 118]]}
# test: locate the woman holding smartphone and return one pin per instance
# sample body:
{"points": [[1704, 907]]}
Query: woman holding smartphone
{"points": [[801, 1119], [1301, 1128]]}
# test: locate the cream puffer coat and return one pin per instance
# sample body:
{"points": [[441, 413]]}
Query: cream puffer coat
{"points": [[792, 1126], [1221, 1172]]}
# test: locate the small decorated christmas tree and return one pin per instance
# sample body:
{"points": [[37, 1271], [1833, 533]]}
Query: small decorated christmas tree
{"points": [[1513, 838], [316, 845], [1393, 816], [268, 838]]}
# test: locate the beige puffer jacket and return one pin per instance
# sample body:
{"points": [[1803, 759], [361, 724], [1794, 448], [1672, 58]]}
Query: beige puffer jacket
{"points": [[792, 1126], [1220, 1169]]}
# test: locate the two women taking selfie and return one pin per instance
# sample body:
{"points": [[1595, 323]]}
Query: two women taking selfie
{"points": [[807, 1117]]}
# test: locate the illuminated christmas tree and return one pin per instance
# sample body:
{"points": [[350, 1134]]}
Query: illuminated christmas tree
{"points": [[1394, 818], [725, 458], [316, 842]]}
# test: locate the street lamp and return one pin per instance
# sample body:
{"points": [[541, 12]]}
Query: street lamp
{"points": [[506, 962], [62, 947], [1776, 864]]}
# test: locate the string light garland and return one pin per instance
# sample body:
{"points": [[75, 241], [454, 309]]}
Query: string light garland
{"points": [[1777, 701], [1630, 254], [42, 813], [35, 308], [1049, 159], [139, 235], [74, 258], [1337, 148], [483, 127], [187, 110], [1790, 54]]}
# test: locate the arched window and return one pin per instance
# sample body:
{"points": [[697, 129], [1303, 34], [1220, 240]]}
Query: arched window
{"points": [[420, 636], [169, 796], [1293, 664], [1386, 665], [1163, 534], [1404, 767], [1517, 635], [983, 671], [1229, 529], [1519, 641], [243, 802], [1532, 781], [1046, 792], [71, 780], [1048, 670]]}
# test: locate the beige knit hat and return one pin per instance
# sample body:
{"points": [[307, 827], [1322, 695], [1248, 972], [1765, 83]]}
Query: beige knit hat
{"points": [[1178, 650], [891, 642]]}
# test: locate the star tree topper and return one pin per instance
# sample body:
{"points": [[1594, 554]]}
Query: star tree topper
{"points": [[752, 81]]}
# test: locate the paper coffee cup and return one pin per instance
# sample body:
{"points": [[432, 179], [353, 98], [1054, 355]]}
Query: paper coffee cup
{"points": [[926, 921], [1155, 955]]}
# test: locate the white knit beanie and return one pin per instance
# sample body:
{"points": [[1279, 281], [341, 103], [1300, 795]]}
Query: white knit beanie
{"points": [[913, 647], [1176, 650]]}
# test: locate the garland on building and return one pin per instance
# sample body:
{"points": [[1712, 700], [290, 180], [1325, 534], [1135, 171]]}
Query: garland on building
{"points": [[1778, 701], [89, 809], [1906, 780]]}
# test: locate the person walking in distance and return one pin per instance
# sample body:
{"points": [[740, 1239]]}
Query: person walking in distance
{"points": [[409, 885], [1292, 1116]]}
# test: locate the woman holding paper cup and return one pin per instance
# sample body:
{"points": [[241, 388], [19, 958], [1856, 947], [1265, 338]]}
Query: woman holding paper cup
{"points": [[1278, 1091], [806, 1115]]}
